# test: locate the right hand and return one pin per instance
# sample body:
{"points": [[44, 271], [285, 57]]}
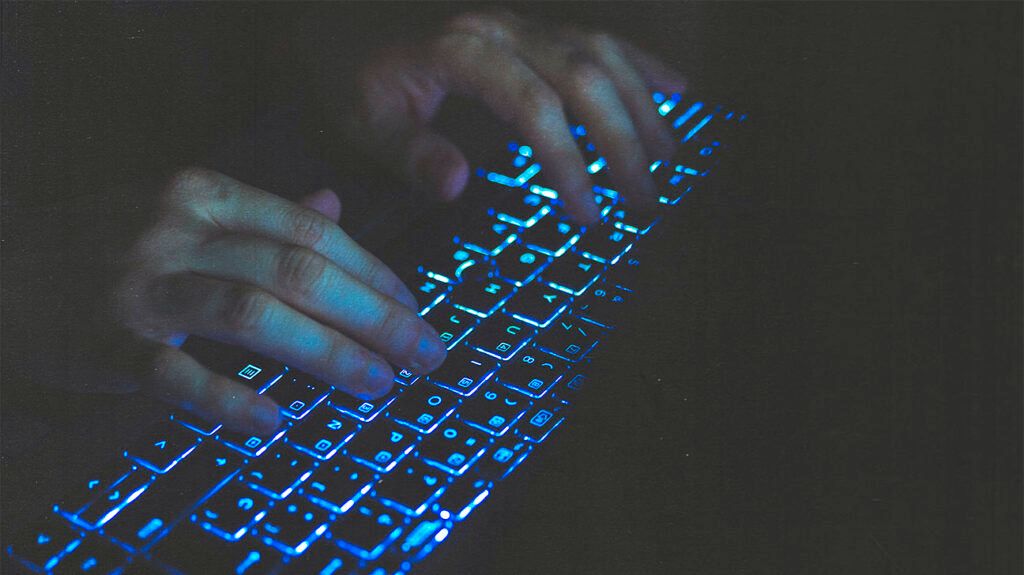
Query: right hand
{"points": [[233, 263]]}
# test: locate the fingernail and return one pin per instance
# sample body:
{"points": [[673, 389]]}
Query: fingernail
{"points": [[430, 352], [267, 417], [379, 379]]}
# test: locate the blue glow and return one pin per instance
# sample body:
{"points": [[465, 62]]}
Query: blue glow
{"points": [[502, 179], [441, 535], [658, 97], [513, 146], [654, 165], [697, 128], [668, 105], [541, 212], [597, 165], [579, 131], [606, 192], [117, 509], [545, 192], [526, 151], [687, 115], [420, 535], [170, 466], [469, 508], [519, 162], [150, 528], [527, 174]]}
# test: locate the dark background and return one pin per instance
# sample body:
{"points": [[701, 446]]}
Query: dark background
{"points": [[827, 377]]}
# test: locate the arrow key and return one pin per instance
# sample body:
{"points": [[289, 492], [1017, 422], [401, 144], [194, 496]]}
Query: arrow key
{"points": [[167, 444]]}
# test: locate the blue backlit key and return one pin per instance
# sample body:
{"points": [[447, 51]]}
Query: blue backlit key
{"points": [[382, 445], [191, 549], [361, 409], [502, 458], [92, 488], [533, 372], [495, 409], [455, 266], [603, 305], [423, 407], [253, 445], [297, 393], [101, 509], [501, 336], [541, 420], [537, 304], [635, 223], [481, 297], [523, 210], [322, 433], [338, 483], [551, 236], [452, 324], [163, 447], [421, 539], [462, 496], [42, 545], [605, 244], [572, 274], [427, 291], [489, 240], [570, 338], [293, 524], [464, 370], [411, 487], [232, 510], [94, 555], [454, 447], [279, 471], [367, 529], [520, 265], [251, 369], [322, 558]]}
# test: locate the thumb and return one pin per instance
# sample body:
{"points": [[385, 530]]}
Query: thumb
{"points": [[324, 201], [433, 163]]}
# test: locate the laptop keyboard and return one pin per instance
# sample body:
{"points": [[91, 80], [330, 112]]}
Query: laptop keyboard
{"points": [[521, 300]]}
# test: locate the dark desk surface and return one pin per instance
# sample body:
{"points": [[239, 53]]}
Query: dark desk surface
{"points": [[829, 378]]}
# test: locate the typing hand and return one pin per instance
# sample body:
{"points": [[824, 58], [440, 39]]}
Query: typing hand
{"points": [[233, 263], [531, 77]]}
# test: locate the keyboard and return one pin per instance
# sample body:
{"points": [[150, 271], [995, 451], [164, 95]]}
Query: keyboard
{"points": [[522, 298]]}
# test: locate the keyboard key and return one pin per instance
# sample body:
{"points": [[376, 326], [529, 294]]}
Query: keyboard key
{"points": [[405, 377], [454, 447], [572, 274], [462, 496], [195, 423], [451, 323], [411, 487], [423, 407], [464, 371], [293, 524], [537, 304], [367, 529], [605, 244], [241, 365], [252, 445], [523, 210], [322, 558], [279, 471], [101, 509], [94, 555], [634, 223], [494, 410], [322, 433], [92, 488], [519, 265], [297, 394], [163, 447], [501, 336], [382, 445], [43, 544], [171, 496], [541, 420], [421, 539], [427, 291], [191, 549], [456, 266], [232, 510], [603, 305], [570, 338], [490, 239], [568, 390], [504, 456], [338, 484], [481, 297], [361, 409], [533, 372], [551, 236]]}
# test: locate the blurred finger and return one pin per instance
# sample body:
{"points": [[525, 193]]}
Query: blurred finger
{"points": [[325, 202], [656, 74]]}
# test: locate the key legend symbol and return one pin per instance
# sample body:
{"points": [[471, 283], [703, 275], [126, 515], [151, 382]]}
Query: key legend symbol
{"points": [[250, 371]]}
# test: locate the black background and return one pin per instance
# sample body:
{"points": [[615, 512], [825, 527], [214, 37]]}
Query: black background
{"points": [[827, 378]]}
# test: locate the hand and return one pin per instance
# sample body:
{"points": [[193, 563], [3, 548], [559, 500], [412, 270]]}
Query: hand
{"points": [[230, 262], [531, 77]]}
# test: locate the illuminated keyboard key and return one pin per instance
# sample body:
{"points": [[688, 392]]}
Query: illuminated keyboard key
{"points": [[523, 210], [541, 420], [462, 496], [452, 324], [519, 265], [93, 487], [464, 371], [501, 336], [454, 447], [490, 239], [382, 445], [293, 524], [494, 410], [43, 544], [361, 409], [411, 487], [243, 366], [232, 510], [572, 274], [192, 549], [533, 372], [481, 297], [279, 471], [605, 244], [253, 445], [322, 433], [94, 555], [101, 509], [297, 393], [551, 236], [337, 484], [423, 407], [570, 338], [502, 458], [455, 266], [367, 529], [604, 305], [163, 447], [538, 304]]}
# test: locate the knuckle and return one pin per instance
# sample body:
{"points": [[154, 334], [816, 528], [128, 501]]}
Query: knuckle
{"points": [[585, 75], [247, 309], [161, 365], [538, 99], [394, 330], [602, 43], [299, 270], [190, 178], [307, 227]]}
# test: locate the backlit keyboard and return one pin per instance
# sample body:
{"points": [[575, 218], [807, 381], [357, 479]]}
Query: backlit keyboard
{"points": [[352, 486]]}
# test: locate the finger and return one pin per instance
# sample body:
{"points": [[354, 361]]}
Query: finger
{"points": [[313, 285], [594, 98], [254, 319], [176, 377], [656, 74], [633, 91], [324, 201], [238, 207], [477, 66]]}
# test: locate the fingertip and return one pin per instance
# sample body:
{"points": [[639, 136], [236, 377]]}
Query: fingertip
{"points": [[380, 378], [265, 415], [325, 201], [448, 173]]}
